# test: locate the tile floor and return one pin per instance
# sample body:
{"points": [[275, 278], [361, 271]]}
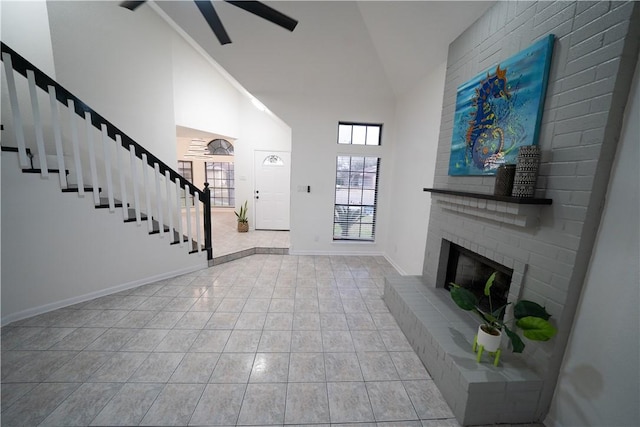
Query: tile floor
{"points": [[227, 240], [263, 340]]}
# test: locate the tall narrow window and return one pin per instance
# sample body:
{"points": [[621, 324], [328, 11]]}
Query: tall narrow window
{"points": [[356, 198], [221, 181], [185, 168]]}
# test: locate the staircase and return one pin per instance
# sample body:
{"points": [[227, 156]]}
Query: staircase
{"points": [[64, 139]]}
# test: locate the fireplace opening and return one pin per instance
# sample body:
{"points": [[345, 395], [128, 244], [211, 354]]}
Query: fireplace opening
{"points": [[471, 271]]}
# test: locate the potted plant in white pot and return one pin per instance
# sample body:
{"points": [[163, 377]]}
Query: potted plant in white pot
{"points": [[529, 316], [243, 221]]}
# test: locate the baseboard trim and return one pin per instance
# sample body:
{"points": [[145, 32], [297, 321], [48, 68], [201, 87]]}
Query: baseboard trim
{"points": [[335, 253], [397, 267], [30, 312]]}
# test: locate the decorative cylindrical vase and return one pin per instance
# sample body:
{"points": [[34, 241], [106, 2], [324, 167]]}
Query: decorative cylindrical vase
{"points": [[524, 181], [504, 180]]}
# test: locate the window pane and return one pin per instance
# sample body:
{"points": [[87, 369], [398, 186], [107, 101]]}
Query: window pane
{"points": [[368, 197], [220, 177], [355, 198], [344, 134], [359, 135], [371, 164], [373, 135]]}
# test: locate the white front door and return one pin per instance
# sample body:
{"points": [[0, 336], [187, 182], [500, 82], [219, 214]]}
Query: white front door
{"points": [[272, 189]]}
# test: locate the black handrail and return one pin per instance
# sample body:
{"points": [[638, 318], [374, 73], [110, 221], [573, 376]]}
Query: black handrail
{"points": [[43, 81]]}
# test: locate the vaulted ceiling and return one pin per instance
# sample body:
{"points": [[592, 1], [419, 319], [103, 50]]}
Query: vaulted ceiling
{"points": [[366, 47]]}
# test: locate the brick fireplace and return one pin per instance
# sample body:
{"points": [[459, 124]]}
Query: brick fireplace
{"points": [[547, 245]]}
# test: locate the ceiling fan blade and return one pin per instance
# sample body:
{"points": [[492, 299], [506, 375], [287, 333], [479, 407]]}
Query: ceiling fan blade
{"points": [[212, 18], [266, 12], [132, 4]]}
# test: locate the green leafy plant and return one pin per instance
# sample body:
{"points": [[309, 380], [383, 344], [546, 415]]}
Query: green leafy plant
{"points": [[242, 215], [529, 316]]}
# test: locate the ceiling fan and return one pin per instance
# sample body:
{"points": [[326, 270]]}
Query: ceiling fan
{"points": [[209, 13]]}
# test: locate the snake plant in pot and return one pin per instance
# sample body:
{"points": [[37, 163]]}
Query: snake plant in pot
{"points": [[243, 221], [530, 317]]}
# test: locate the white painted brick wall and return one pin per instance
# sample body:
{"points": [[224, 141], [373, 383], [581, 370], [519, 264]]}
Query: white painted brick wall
{"points": [[594, 54]]}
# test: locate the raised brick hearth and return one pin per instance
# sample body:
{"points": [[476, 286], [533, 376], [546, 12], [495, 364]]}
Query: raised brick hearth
{"points": [[442, 336]]}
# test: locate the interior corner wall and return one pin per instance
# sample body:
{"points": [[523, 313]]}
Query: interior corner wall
{"points": [[597, 385], [414, 160], [119, 63]]}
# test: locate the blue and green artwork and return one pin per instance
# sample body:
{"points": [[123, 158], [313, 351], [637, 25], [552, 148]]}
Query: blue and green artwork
{"points": [[499, 111]]}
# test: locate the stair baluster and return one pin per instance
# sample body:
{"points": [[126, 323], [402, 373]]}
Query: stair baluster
{"points": [[75, 140], [93, 168], [156, 170], [15, 110], [37, 123], [106, 148], [179, 210], [136, 191], [167, 180], [57, 136]]}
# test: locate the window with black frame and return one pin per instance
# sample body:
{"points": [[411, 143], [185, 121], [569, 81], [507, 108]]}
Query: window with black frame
{"points": [[220, 176], [185, 168], [356, 191]]}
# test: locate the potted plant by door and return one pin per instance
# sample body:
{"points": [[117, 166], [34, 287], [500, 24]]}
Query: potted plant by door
{"points": [[529, 316], [243, 222]]}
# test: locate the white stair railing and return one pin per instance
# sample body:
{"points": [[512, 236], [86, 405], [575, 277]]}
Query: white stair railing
{"points": [[92, 166]]}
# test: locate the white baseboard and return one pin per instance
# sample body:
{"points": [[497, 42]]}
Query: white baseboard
{"points": [[30, 312], [333, 253], [398, 269]]}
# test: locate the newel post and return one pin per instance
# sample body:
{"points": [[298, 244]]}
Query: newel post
{"points": [[207, 221]]}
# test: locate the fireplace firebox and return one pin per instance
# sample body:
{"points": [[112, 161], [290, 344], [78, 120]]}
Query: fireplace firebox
{"points": [[471, 271]]}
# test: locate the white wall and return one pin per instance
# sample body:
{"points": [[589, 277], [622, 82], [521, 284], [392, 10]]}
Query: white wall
{"points": [[57, 249], [417, 129], [260, 130], [203, 99], [25, 29], [598, 383], [119, 63], [314, 126]]}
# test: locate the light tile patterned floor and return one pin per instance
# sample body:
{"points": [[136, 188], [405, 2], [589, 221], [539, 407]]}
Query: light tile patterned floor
{"points": [[227, 240], [264, 340]]}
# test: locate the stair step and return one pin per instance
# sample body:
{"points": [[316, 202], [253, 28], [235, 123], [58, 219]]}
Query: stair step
{"points": [[156, 227], [14, 149], [73, 188], [104, 203], [34, 170], [132, 216]]}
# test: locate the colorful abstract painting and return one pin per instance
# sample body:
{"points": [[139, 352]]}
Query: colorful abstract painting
{"points": [[499, 111]]}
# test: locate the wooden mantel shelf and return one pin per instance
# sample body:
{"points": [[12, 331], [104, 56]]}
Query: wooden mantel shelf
{"points": [[517, 211], [518, 200]]}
